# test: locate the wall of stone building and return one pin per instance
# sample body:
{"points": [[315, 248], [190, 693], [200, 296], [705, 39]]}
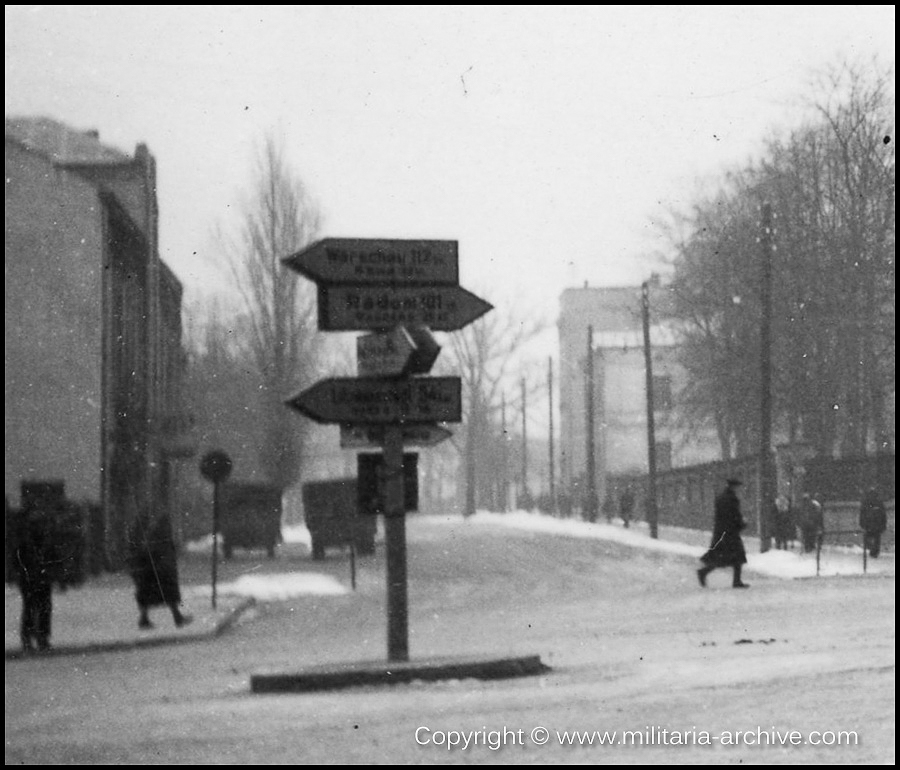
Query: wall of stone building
{"points": [[53, 327]]}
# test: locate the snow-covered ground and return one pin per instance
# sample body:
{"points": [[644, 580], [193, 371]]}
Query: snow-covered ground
{"points": [[793, 564], [632, 642]]}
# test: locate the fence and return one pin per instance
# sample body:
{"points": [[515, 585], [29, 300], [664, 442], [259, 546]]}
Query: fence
{"points": [[686, 496]]}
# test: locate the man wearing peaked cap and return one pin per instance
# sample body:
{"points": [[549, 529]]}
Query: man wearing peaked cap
{"points": [[726, 548]]}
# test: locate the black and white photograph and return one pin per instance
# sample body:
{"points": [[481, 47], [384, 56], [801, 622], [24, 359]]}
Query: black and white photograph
{"points": [[418, 385]]}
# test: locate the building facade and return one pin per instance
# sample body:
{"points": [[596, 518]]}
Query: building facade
{"points": [[607, 324], [94, 357]]}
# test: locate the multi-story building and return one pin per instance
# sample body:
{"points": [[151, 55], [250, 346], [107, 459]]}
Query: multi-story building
{"points": [[612, 319], [94, 357]]}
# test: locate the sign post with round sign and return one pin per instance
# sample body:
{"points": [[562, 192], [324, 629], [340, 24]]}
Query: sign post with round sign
{"points": [[215, 467]]}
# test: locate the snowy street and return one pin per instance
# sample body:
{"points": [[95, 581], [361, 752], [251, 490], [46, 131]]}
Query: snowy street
{"points": [[647, 667]]}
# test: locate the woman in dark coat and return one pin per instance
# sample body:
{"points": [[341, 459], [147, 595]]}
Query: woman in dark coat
{"points": [[726, 548], [154, 569]]}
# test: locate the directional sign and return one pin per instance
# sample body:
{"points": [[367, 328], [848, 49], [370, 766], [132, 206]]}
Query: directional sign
{"points": [[383, 354], [358, 308], [381, 400], [397, 352], [378, 261], [372, 436]]}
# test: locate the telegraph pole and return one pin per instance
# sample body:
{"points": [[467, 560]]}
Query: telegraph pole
{"points": [[766, 466], [550, 391], [504, 482], [525, 495], [652, 511], [590, 492]]}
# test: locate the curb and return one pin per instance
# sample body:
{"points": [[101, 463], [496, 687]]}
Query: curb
{"points": [[120, 645], [338, 676]]}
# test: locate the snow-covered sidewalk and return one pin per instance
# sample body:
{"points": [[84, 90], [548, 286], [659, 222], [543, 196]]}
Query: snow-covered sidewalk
{"points": [[833, 560]]}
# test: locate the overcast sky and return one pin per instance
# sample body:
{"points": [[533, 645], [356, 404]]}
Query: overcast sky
{"points": [[545, 139]]}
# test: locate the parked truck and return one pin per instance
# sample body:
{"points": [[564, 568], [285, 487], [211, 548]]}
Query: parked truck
{"points": [[334, 519], [250, 517]]}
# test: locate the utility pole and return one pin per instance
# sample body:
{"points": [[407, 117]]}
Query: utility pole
{"points": [[552, 481], [652, 511], [766, 465], [525, 495], [504, 481], [590, 492]]}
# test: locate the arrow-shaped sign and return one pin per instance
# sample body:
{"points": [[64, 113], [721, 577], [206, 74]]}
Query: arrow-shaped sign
{"points": [[397, 352], [381, 400], [372, 436], [378, 261], [358, 308]]}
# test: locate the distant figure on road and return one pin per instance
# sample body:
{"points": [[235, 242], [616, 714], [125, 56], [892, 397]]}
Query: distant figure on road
{"points": [[812, 522], [154, 569], [783, 526], [726, 548], [626, 505], [873, 520]]}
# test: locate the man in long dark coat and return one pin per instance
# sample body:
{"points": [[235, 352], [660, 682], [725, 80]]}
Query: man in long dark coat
{"points": [[154, 569], [873, 520], [33, 560], [726, 548]]}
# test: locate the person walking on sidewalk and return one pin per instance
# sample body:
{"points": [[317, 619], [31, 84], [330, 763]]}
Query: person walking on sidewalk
{"points": [[726, 548], [872, 520], [33, 559], [154, 569]]}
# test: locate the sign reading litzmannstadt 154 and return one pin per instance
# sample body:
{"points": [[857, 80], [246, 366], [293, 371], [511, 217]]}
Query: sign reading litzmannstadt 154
{"points": [[379, 261], [377, 400], [357, 308]]}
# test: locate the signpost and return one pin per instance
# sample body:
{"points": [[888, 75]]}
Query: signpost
{"points": [[400, 290], [360, 308], [215, 467], [397, 352], [357, 261], [372, 436], [382, 400]]}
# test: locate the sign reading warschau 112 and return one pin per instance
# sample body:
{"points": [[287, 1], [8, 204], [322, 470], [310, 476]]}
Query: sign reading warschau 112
{"points": [[378, 261], [357, 308], [381, 400]]}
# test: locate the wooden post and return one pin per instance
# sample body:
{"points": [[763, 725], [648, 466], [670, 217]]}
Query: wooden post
{"points": [[395, 537]]}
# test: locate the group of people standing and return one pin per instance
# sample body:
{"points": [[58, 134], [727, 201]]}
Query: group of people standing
{"points": [[809, 520]]}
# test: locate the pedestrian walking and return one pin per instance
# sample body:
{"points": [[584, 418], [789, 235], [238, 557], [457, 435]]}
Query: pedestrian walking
{"points": [[35, 560], [726, 548], [812, 522], [872, 520], [154, 569]]}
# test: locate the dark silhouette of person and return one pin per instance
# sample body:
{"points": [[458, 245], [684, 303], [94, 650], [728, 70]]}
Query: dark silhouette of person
{"points": [[33, 564], [872, 520], [626, 505], [783, 523], [726, 548], [812, 522], [154, 569]]}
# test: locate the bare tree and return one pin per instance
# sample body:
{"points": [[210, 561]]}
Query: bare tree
{"points": [[486, 355], [831, 186], [280, 335]]}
